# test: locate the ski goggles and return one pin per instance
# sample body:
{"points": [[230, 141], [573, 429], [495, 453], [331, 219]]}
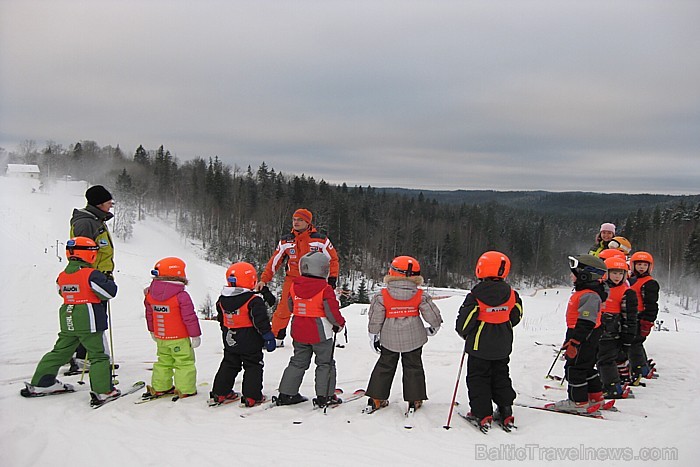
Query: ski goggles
{"points": [[71, 245], [574, 263]]}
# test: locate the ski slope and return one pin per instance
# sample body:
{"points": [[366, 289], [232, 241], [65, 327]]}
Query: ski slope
{"points": [[63, 430]]}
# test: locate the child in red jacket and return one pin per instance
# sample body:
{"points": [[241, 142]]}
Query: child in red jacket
{"points": [[315, 318]]}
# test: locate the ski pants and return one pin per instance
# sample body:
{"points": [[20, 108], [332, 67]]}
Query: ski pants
{"points": [[100, 372], [282, 314], [413, 375], [300, 361], [608, 352], [231, 365], [580, 371], [638, 357], [488, 380], [175, 363], [82, 353]]}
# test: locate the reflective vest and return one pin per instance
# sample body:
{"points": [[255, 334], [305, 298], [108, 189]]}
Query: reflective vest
{"points": [[401, 308], [496, 314], [239, 318], [308, 307], [637, 287], [572, 312], [614, 302], [75, 287], [167, 320]]}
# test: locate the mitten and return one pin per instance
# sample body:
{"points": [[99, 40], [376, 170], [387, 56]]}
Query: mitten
{"points": [[431, 330], [270, 342], [196, 341], [374, 342], [571, 348], [333, 281], [645, 327], [268, 296]]}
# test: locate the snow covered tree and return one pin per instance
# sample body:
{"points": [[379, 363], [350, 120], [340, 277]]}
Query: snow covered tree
{"points": [[362, 293]]}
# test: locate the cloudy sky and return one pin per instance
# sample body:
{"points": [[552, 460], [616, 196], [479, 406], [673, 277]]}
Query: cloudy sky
{"points": [[554, 95]]}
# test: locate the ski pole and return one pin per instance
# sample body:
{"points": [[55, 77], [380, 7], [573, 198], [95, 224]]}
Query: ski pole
{"points": [[454, 395], [554, 363], [111, 344], [330, 374], [82, 373]]}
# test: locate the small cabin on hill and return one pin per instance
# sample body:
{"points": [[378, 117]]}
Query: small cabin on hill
{"points": [[23, 171]]}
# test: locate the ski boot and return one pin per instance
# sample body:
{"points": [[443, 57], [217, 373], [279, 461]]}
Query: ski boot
{"points": [[250, 402], [580, 408], [99, 399], [504, 417], [326, 401], [38, 391], [375, 404], [215, 400], [286, 399], [153, 394]]}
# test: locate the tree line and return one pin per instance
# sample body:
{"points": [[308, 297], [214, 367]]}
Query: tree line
{"points": [[239, 215]]}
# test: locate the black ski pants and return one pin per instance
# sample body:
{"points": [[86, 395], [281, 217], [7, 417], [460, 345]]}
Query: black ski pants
{"points": [[413, 375], [488, 380], [231, 365], [580, 371]]}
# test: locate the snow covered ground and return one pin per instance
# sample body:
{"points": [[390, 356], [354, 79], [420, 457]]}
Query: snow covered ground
{"points": [[64, 430]]}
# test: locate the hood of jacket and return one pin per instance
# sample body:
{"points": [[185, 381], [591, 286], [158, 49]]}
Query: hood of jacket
{"points": [[307, 287], [93, 213], [492, 292], [163, 290], [402, 288]]}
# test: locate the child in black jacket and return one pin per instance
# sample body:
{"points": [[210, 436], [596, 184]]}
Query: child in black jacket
{"points": [[245, 327], [485, 321]]}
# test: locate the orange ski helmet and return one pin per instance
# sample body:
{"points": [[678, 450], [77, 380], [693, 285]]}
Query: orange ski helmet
{"points": [[242, 275], [493, 264], [642, 256], [616, 262], [404, 266], [611, 253], [169, 267], [82, 248]]}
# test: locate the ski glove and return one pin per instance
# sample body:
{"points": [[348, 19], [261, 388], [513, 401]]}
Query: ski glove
{"points": [[337, 329], [431, 330], [645, 327], [333, 281], [270, 342], [268, 296], [571, 348], [196, 341], [374, 342]]}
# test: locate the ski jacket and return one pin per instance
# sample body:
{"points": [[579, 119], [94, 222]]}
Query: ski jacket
{"points": [[598, 247], [179, 319], [312, 330], [90, 222], [247, 339], [311, 307], [619, 311], [402, 334], [583, 309], [87, 309], [490, 338], [647, 290], [401, 308], [293, 246]]}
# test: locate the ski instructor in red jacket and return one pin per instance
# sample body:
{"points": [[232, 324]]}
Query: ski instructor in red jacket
{"points": [[303, 238]]}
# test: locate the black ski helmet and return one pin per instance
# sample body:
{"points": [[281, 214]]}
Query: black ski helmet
{"points": [[587, 268]]}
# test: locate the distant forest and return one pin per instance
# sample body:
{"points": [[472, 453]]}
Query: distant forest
{"points": [[239, 214]]}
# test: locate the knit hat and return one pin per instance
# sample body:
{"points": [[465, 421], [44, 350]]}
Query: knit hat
{"points": [[607, 227], [305, 214], [97, 195]]}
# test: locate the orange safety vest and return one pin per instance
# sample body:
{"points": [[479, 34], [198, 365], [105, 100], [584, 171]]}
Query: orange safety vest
{"points": [[167, 320], [637, 287], [614, 302], [401, 308], [308, 307], [496, 314], [572, 309], [239, 318], [75, 287]]}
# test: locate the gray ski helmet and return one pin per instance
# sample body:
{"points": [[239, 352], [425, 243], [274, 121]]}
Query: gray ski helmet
{"points": [[587, 267], [315, 264]]}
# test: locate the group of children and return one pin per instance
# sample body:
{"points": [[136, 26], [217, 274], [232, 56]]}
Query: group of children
{"points": [[608, 318]]}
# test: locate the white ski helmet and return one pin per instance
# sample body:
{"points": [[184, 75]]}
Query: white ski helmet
{"points": [[315, 264]]}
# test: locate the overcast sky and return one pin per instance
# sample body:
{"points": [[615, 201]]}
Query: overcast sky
{"points": [[507, 95]]}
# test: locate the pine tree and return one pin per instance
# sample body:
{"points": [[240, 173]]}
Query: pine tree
{"points": [[362, 293]]}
